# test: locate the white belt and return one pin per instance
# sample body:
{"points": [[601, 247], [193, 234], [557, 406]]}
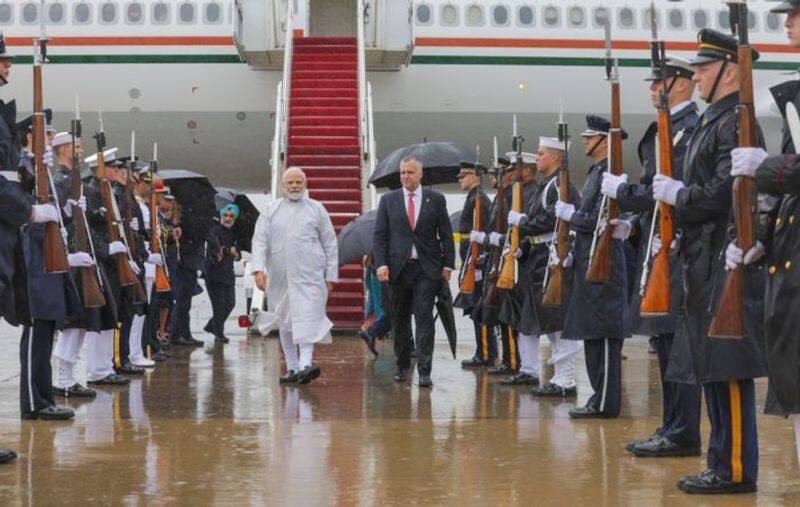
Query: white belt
{"points": [[10, 175], [541, 238]]}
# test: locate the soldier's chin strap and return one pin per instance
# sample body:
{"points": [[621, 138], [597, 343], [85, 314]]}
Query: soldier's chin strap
{"points": [[716, 82], [600, 140]]}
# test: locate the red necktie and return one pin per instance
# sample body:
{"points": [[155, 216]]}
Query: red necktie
{"points": [[411, 213]]}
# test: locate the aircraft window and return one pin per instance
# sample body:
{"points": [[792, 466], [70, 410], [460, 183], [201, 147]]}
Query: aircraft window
{"points": [[108, 13], [752, 21], [55, 14], [577, 17], [82, 14], [700, 18], [676, 19], [601, 17], [551, 15], [6, 13], [773, 22], [449, 15], [134, 13], [525, 16], [500, 15], [724, 20], [161, 13], [475, 15], [424, 16], [186, 13], [627, 17], [647, 16], [213, 13], [30, 13]]}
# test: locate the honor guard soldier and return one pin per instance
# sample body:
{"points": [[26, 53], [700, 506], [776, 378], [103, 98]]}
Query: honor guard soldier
{"points": [[679, 434], [597, 312], [779, 175], [469, 180], [702, 207]]}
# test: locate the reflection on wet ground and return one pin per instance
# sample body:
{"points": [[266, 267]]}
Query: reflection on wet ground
{"points": [[212, 426]]}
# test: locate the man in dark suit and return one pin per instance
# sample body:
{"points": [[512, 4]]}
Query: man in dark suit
{"points": [[414, 251]]}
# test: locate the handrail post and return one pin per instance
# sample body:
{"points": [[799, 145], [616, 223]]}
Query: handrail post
{"points": [[281, 140]]}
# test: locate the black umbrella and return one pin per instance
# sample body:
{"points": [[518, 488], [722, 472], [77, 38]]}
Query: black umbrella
{"points": [[444, 311], [195, 194], [455, 220], [440, 161], [355, 239], [245, 225]]}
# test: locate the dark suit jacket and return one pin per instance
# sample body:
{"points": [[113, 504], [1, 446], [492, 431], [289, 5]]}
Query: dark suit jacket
{"points": [[432, 236]]}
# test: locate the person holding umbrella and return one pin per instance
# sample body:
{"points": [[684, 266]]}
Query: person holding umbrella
{"points": [[223, 250]]}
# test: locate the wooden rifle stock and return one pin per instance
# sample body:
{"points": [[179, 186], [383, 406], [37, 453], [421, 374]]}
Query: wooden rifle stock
{"points": [[508, 279], [162, 279], [600, 263], [468, 282], [127, 277], [728, 321], [554, 292], [139, 294]]}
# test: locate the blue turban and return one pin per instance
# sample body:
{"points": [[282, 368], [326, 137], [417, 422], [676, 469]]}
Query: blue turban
{"points": [[230, 207]]}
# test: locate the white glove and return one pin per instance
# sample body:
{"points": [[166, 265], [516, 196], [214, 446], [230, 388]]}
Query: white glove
{"points": [[611, 184], [135, 224], [735, 255], [564, 211], [665, 189], [155, 258], [555, 261], [44, 213], [517, 252], [516, 219], [80, 260], [69, 207], [477, 237], [49, 159], [495, 238], [102, 210], [622, 229], [117, 247], [745, 161], [657, 245], [135, 267]]}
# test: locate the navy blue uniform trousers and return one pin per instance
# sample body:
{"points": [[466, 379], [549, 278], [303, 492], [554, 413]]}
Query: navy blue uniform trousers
{"points": [[680, 413], [733, 443], [36, 376]]}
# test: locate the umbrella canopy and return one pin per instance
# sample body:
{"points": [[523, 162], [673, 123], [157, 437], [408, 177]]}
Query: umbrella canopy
{"points": [[355, 239], [455, 220], [440, 161], [444, 311], [195, 194], [245, 225]]}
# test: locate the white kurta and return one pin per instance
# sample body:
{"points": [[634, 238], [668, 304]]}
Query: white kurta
{"points": [[295, 245]]}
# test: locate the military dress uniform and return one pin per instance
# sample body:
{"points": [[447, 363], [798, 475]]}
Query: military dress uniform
{"points": [[598, 311], [725, 368]]}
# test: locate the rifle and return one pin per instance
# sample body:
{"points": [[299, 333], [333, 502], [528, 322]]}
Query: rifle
{"points": [[55, 249], [91, 282], [497, 252], [728, 321], [127, 277], [162, 273], [131, 237], [468, 280], [655, 285], [602, 250], [554, 277], [508, 270]]}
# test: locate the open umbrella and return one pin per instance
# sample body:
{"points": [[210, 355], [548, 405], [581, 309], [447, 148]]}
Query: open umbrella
{"points": [[245, 225], [440, 161], [195, 194], [444, 311], [455, 220], [355, 239]]}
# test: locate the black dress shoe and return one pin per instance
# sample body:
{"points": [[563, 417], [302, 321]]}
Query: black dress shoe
{"points": [[191, 340], [221, 339], [473, 362], [587, 412], [500, 370], [7, 455], [369, 340], [401, 376], [179, 341], [551, 390], [308, 374], [660, 447], [75, 391], [110, 380], [289, 378], [656, 434], [50, 413], [129, 369], [425, 381], [521, 379], [207, 327], [159, 356], [709, 483]]}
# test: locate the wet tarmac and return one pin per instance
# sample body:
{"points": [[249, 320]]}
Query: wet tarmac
{"points": [[212, 426]]}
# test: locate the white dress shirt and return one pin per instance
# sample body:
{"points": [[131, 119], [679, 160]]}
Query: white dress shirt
{"points": [[417, 204]]}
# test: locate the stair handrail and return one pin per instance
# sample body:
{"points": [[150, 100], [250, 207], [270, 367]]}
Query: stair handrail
{"points": [[364, 110], [281, 140], [372, 192]]}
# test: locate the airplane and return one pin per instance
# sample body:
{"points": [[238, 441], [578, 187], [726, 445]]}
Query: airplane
{"points": [[178, 70]]}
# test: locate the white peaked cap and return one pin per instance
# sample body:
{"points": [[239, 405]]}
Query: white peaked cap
{"points": [[527, 158], [552, 143], [62, 138], [109, 155]]}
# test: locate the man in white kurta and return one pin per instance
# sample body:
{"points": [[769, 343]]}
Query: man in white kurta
{"points": [[295, 258]]}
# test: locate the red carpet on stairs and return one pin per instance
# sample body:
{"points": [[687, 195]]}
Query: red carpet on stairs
{"points": [[323, 141]]}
